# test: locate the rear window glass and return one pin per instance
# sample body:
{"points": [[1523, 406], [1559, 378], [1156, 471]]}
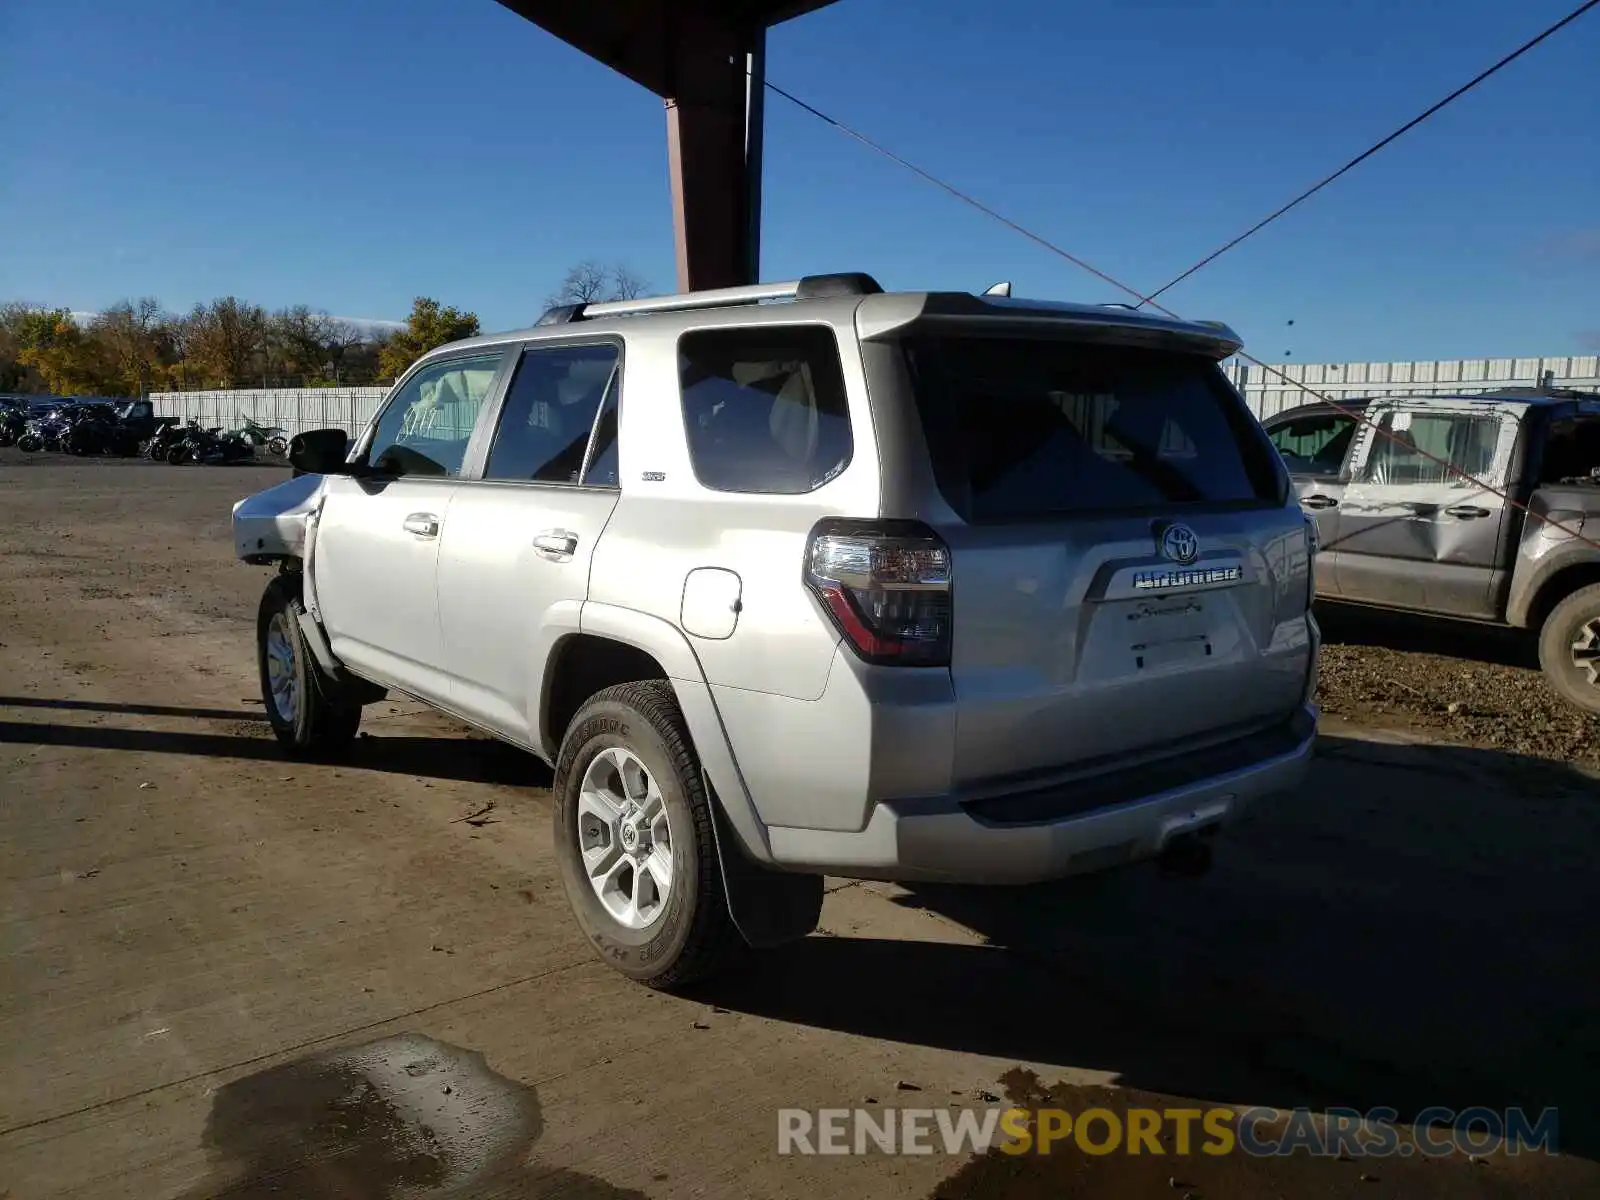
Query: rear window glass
{"points": [[764, 408], [1022, 428]]}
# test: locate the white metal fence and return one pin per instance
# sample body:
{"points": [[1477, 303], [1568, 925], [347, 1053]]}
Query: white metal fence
{"points": [[300, 409], [1268, 394]]}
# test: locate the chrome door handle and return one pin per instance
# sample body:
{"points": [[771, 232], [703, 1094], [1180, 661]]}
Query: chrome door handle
{"points": [[1467, 511], [422, 524], [556, 544], [1318, 500]]}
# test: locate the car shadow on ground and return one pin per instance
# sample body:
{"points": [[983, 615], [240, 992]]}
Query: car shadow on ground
{"points": [[1352, 625], [141, 710], [1416, 928], [466, 759]]}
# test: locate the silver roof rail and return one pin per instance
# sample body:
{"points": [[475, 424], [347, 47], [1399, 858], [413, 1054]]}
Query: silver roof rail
{"points": [[810, 287]]}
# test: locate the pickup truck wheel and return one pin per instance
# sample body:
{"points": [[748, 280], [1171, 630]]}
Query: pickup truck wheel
{"points": [[301, 706], [1569, 648], [634, 839]]}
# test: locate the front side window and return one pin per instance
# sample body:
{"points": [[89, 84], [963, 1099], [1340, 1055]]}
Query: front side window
{"points": [[549, 415], [1314, 445], [765, 408], [1407, 448], [1029, 428], [425, 429]]}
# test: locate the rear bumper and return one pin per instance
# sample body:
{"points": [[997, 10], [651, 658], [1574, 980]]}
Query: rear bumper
{"points": [[1039, 835]]}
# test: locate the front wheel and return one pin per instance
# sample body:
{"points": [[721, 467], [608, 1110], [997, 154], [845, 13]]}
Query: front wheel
{"points": [[302, 702], [1569, 648], [29, 443], [634, 839], [278, 446]]}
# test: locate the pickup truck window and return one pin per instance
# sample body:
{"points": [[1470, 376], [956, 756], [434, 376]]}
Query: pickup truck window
{"points": [[549, 413], [426, 426], [1315, 444], [1571, 450], [1403, 441]]}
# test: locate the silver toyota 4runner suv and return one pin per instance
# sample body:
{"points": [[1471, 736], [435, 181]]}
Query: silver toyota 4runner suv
{"points": [[810, 578]]}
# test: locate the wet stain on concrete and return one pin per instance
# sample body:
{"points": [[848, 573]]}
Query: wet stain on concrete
{"points": [[403, 1118]]}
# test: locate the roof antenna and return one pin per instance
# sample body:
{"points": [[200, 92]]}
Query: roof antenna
{"points": [[1000, 289]]}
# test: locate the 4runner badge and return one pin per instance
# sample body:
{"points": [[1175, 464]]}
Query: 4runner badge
{"points": [[1181, 545]]}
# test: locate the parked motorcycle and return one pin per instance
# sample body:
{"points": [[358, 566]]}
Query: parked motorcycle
{"points": [[210, 446], [13, 423], [43, 433], [274, 437], [155, 447]]}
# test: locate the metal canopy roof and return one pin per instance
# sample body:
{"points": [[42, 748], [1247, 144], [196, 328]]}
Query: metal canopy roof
{"points": [[641, 38]]}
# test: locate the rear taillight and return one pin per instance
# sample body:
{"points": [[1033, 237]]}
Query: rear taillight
{"points": [[886, 584]]}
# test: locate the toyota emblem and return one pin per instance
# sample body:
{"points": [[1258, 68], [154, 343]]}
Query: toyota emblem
{"points": [[1180, 544]]}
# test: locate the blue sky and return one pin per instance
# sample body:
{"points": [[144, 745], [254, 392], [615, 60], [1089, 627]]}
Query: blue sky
{"points": [[351, 154]]}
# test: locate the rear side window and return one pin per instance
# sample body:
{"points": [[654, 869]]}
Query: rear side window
{"points": [[1023, 428], [548, 419], [764, 409]]}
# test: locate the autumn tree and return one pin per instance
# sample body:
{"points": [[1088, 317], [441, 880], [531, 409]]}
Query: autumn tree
{"points": [[67, 358], [226, 339], [298, 340], [137, 341], [591, 282], [428, 328]]}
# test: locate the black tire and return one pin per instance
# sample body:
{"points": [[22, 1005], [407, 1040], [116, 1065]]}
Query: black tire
{"points": [[1575, 620], [29, 444], [318, 724], [177, 456], [694, 937]]}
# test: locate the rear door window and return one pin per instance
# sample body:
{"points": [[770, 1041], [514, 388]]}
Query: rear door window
{"points": [[1023, 428], [764, 408], [548, 419]]}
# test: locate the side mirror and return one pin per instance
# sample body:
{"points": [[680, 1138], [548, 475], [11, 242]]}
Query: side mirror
{"points": [[320, 452]]}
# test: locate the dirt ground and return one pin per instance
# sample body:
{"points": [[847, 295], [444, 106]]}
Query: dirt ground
{"points": [[222, 973]]}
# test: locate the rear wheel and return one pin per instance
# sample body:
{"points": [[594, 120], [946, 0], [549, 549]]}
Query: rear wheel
{"points": [[303, 704], [634, 839], [278, 446], [1569, 648]]}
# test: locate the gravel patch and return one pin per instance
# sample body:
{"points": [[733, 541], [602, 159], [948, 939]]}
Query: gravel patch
{"points": [[1461, 683]]}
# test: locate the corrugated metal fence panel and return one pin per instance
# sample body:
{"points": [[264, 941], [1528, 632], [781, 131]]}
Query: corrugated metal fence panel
{"points": [[1267, 393], [350, 409], [294, 409]]}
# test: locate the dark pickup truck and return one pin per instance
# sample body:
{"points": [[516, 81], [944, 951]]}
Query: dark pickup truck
{"points": [[1400, 531]]}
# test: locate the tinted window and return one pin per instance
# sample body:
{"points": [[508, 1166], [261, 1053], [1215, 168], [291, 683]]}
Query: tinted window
{"points": [[1022, 428], [1403, 442], [1571, 450], [764, 408], [425, 428], [1314, 445], [549, 413]]}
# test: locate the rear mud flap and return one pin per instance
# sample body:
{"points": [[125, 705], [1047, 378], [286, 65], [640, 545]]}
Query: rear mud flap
{"points": [[769, 908]]}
